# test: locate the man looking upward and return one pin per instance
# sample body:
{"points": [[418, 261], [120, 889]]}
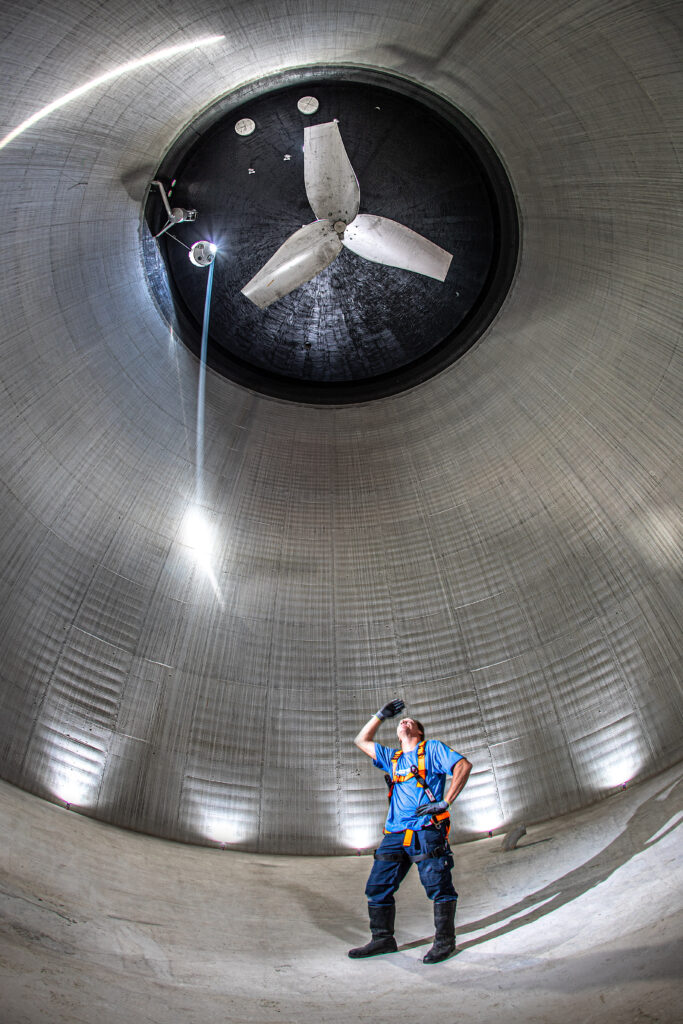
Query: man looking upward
{"points": [[415, 832]]}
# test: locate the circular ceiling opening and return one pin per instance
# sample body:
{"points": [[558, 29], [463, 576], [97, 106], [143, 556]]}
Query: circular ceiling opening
{"points": [[431, 195]]}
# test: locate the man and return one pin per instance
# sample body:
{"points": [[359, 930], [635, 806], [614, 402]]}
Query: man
{"points": [[415, 832]]}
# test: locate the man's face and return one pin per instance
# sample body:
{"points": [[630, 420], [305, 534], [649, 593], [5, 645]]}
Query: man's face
{"points": [[408, 730]]}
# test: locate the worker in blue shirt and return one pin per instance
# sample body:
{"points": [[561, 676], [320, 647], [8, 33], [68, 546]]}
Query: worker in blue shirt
{"points": [[415, 832]]}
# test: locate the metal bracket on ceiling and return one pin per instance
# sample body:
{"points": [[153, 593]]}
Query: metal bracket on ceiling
{"points": [[177, 215]]}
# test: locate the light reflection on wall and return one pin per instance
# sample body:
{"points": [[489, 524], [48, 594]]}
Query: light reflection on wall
{"points": [[659, 538], [74, 759], [479, 819], [620, 768], [362, 837], [122, 69], [199, 536], [73, 785], [477, 810], [222, 828], [362, 813]]}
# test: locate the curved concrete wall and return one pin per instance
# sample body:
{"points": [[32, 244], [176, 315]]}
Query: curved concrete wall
{"points": [[499, 546]]}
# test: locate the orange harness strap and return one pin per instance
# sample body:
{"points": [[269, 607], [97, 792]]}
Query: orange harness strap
{"points": [[420, 776], [395, 777]]}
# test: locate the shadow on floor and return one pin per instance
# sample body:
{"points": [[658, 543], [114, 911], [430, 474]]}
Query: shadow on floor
{"points": [[651, 822], [654, 819]]}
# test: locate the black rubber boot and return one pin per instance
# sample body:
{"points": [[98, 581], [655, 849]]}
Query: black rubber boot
{"points": [[382, 928], [444, 939]]}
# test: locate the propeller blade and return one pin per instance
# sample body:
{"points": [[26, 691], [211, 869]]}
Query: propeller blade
{"points": [[381, 240], [305, 253], [331, 186]]}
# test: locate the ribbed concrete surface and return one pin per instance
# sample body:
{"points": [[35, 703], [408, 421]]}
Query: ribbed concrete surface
{"points": [[580, 923], [500, 546]]}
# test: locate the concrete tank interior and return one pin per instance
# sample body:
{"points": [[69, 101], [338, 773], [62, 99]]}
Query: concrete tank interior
{"points": [[183, 669]]}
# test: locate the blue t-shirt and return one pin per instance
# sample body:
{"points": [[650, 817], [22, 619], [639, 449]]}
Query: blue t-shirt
{"points": [[439, 762]]}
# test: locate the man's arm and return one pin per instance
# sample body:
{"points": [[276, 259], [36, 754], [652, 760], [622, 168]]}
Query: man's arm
{"points": [[461, 773], [364, 738]]}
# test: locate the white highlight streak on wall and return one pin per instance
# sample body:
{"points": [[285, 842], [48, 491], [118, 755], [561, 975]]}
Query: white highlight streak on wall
{"points": [[133, 65]]}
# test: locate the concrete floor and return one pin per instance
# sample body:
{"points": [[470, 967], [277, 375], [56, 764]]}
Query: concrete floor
{"points": [[580, 923]]}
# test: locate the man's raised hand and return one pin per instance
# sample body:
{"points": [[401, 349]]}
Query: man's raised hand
{"points": [[394, 707], [364, 739]]}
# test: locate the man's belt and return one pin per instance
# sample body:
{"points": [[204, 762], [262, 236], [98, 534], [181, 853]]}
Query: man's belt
{"points": [[437, 851]]}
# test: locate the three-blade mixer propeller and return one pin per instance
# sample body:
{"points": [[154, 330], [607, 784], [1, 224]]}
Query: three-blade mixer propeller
{"points": [[333, 192]]}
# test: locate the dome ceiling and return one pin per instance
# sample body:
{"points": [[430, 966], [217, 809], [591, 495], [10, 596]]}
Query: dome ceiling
{"points": [[358, 329]]}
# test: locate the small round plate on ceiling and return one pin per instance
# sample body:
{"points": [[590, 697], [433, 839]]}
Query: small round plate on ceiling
{"points": [[245, 126], [308, 104]]}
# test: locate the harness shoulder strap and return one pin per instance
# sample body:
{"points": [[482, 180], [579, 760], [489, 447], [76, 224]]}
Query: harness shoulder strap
{"points": [[419, 771], [421, 759]]}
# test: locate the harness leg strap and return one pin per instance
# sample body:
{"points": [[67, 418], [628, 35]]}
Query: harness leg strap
{"points": [[439, 851]]}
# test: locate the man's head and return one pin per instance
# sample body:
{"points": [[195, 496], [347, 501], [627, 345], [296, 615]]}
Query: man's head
{"points": [[410, 729]]}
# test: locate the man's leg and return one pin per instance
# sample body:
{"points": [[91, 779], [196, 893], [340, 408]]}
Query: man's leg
{"points": [[389, 868], [435, 875]]}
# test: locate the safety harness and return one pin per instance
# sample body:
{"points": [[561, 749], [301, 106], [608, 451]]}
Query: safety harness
{"points": [[418, 772]]}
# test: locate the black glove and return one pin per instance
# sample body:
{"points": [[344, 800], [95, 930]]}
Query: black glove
{"points": [[436, 808], [394, 707]]}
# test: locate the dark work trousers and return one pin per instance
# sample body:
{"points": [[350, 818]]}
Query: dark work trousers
{"points": [[392, 863]]}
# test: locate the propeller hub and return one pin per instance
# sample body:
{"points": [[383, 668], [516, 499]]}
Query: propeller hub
{"points": [[340, 227]]}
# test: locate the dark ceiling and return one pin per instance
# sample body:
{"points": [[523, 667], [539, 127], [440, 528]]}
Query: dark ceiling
{"points": [[359, 329]]}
